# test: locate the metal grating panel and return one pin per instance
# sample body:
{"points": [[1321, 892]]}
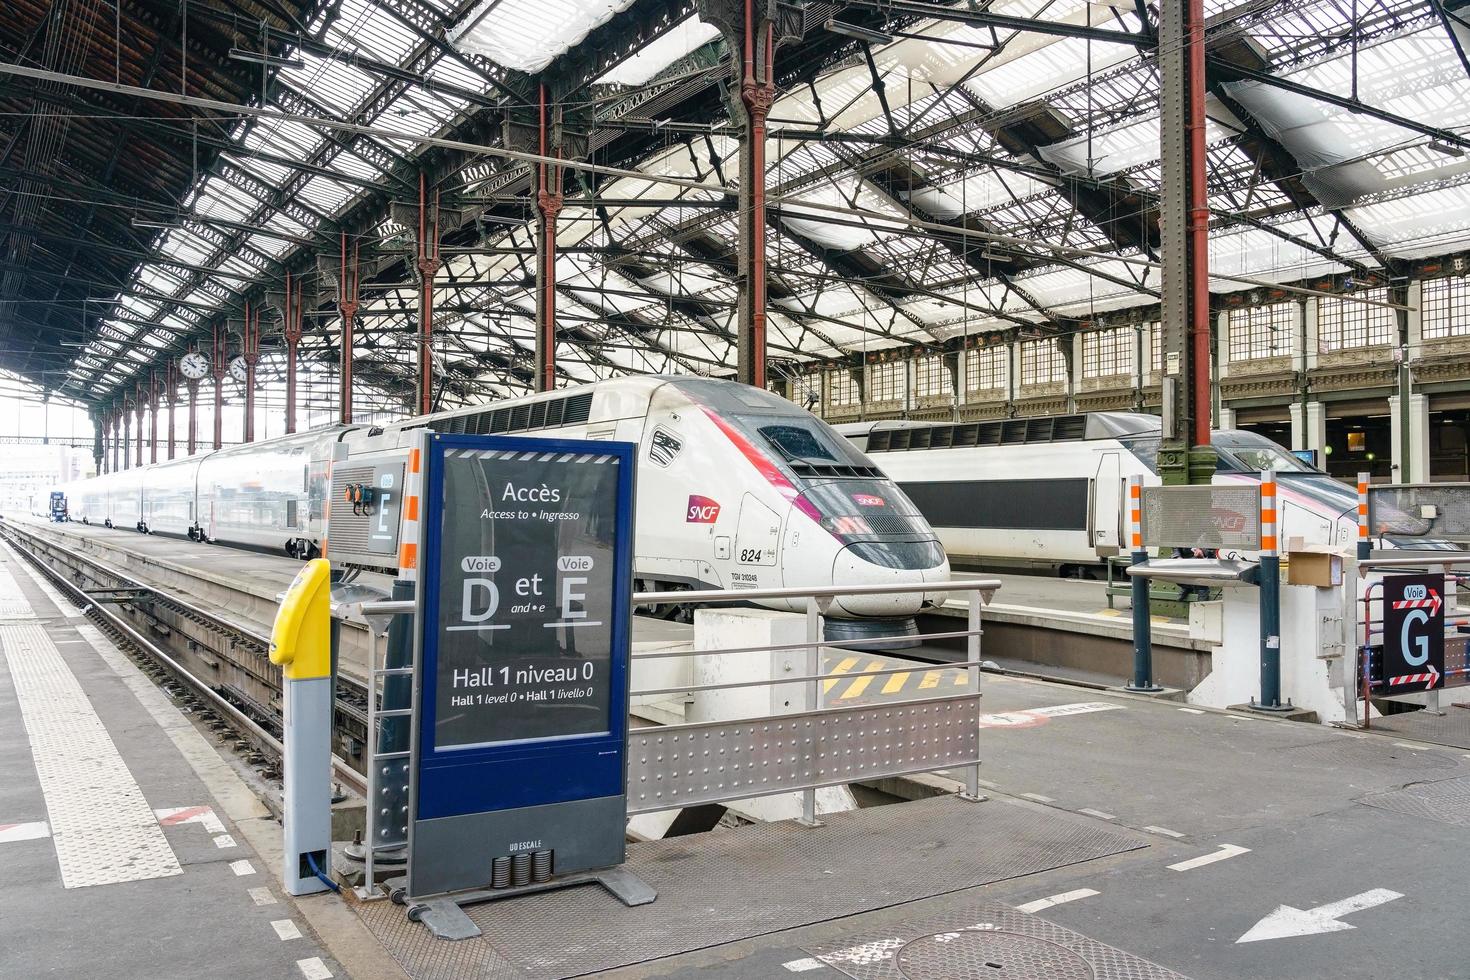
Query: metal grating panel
{"points": [[103, 829], [1216, 517], [751, 881], [683, 765], [1447, 800], [347, 531], [1438, 511], [988, 942]]}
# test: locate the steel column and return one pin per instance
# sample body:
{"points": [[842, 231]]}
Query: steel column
{"points": [[1184, 234], [99, 440], [757, 94], [153, 417], [428, 265], [1270, 588], [171, 392], [292, 334], [193, 385], [127, 434], [138, 406], [250, 352], [347, 282], [218, 362], [549, 203], [1143, 648]]}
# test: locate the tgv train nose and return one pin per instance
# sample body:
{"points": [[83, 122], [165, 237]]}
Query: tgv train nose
{"points": [[853, 567]]}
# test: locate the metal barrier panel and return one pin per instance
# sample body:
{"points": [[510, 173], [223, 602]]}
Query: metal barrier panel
{"points": [[1220, 518], [685, 765], [1436, 511]]}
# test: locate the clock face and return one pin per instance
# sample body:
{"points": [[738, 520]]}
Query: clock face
{"points": [[239, 370], [194, 365]]}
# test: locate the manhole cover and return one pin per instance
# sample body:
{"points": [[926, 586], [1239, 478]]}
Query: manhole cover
{"points": [[987, 954]]}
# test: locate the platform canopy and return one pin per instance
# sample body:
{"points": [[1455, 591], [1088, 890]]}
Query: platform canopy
{"points": [[934, 170]]}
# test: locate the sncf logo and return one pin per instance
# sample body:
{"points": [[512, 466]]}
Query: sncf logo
{"points": [[868, 500], [702, 510]]}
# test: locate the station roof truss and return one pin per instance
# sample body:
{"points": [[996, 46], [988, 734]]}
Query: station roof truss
{"points": [[936, 171]]}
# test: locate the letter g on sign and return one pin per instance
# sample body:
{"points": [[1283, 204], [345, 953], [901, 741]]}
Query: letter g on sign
{"points": [[1419, 644]]}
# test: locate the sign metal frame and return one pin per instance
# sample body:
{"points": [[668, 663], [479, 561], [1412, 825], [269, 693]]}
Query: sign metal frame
{"points": [[471, 804], [1413, 604]]}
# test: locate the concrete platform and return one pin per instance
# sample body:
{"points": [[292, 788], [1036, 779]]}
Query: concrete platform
{"points": [[1123, 837], [131, 848]]}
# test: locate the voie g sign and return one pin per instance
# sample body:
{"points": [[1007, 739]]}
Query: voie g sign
{"points": [[524, 627]]}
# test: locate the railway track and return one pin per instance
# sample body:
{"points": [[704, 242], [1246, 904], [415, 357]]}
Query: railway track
{"points": [[217, 669]]}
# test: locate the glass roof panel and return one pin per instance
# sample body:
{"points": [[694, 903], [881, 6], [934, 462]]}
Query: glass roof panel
{"points": [[528, 34], [686, 36]]}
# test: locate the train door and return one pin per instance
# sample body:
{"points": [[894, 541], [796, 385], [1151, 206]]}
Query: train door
{"points": [[1107, 505], [757, 534]]}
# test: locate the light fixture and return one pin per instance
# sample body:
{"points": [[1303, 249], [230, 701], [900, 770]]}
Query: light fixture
{"points": [[861, 33], [261, 58], [1448, 149]]}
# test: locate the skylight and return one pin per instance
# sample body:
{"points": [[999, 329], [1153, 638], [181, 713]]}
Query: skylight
{"points": [[689, 35], [529, 34]]}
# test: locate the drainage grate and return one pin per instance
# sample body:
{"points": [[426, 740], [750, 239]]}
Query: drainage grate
{"points": [[983, 942], [1447, 800], [981, 954]]}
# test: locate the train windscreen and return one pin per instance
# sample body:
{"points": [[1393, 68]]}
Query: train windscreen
{"points": [[1246, 452]]}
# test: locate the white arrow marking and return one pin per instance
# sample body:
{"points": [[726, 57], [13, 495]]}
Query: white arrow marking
{"points": [[1286, 921]]}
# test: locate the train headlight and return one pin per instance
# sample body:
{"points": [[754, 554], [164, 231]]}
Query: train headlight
{"points": [[847, 524]]}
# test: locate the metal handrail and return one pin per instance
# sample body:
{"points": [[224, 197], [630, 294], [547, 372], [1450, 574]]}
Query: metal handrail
{"points": [[986, 586], [1368, 564]]}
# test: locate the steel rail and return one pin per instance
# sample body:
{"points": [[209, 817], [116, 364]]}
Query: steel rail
{"points": [[238, 719]]}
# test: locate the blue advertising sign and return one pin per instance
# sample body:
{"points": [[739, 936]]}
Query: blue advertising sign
{"points": [[524, 606]]}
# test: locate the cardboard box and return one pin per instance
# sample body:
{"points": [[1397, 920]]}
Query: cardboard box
{"points": [[1314, 565]]}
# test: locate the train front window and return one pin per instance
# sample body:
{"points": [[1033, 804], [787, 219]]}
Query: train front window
{"points": [[800, 441], [1269, 456], [796, 442]]}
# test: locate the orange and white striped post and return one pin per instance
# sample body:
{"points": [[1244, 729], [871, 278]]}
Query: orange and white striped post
{"points": [[1270, 586], [1365, 542], [408, 534], [1143, 650]]}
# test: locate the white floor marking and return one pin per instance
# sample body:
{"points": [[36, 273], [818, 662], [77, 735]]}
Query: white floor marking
{"points": [[286, 929], [313, 969], [102, 828], [1038, 798], [1225, 851], [1286, 921], [34, 830], [13, 605], [242, 868], [1407, 745], [1030, 717], [803, 965], [1062, 899], [1100, 814], [261, 896], [1163, 830], [173, 816], [224, 840], [62, 605], [1191, 711]]}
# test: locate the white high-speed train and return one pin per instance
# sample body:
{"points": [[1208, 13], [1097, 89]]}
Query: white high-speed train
{"points": [[1049, 491], [737, 489]]}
